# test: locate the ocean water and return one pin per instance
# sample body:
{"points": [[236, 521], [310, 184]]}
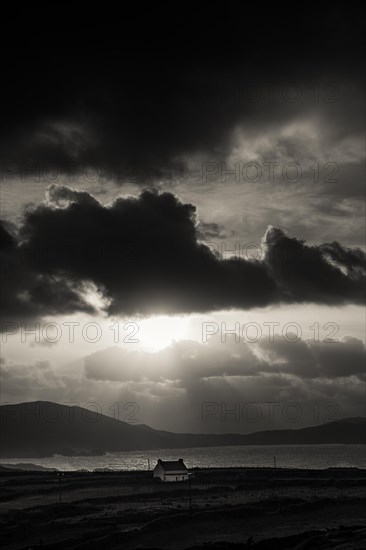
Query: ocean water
{"points": [[285, 456]]}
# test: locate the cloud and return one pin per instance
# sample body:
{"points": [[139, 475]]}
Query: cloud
{"points": [[168, 388], [182, 361], [37, 379], [328, 359], [304, 273], [206, 231], [345, 359], [143, 255], [141, 252], [190, 361], [352, 261], [122, 105], [278, 376], [29, 294]]}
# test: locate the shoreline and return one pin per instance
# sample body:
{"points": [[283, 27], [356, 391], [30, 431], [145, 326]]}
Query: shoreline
{"points": [[313, 457], [37, 468]]}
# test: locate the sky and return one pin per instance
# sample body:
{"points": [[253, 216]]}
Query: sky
{"points": [[182, 214]]}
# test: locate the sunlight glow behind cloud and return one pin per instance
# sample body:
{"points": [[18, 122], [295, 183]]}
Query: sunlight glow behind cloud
{"points": [[159, 331]]}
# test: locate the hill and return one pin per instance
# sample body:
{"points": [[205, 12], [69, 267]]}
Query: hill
{"points": [[40, 429]]}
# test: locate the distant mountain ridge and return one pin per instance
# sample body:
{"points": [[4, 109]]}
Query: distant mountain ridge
{"points": [[42, 429]]}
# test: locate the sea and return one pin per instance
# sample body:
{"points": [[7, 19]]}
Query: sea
{"points": [[263, 456]]}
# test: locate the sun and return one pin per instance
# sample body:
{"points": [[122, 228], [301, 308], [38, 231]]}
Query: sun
{"points": [[159, 331]]}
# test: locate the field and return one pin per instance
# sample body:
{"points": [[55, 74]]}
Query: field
{"points": [[231, 508]]}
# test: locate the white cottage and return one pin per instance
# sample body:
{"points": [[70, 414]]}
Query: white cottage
{"points": [[174, 470]]}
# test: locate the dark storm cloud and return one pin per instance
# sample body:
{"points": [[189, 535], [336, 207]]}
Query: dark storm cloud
{"points": [[26, 293], [352, 261], [304, 274], [132, 96], [143, 256], [141, 252]]}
